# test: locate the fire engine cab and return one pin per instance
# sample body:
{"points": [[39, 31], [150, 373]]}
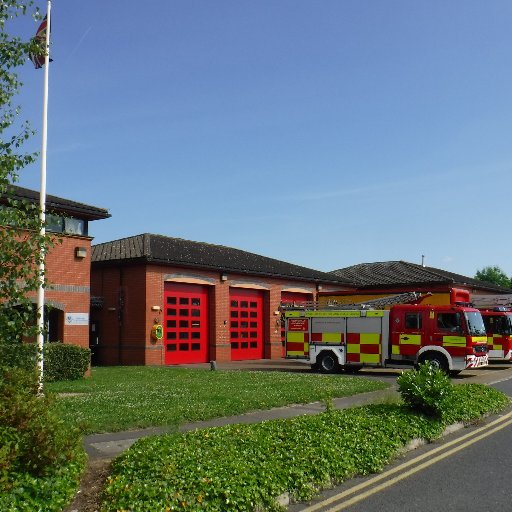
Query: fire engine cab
{"points": [[331, 337], [496, 311]]}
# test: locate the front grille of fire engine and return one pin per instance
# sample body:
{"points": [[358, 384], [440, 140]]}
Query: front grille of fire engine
{"points": [[480, 349]]}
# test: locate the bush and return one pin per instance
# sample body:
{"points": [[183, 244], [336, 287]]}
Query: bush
{"points": [[41, 457], [18, 355], [61, 361], [426, 390], [65, 362]]}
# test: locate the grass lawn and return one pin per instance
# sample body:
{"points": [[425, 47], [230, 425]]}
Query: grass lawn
{"points": [[123, 398]]}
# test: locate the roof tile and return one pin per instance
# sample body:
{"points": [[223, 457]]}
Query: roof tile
{"points": [[177, 251], [397, 273]]}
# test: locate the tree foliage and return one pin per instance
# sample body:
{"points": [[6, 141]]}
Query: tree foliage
{"points": [[21, 245], [494, 274]]}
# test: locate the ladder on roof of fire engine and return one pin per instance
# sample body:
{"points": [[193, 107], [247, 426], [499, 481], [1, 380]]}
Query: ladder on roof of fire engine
{"points": [[490, 301], [401, 298]]}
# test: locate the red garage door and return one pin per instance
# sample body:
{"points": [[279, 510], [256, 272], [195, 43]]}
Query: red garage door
{"points": [[290, 298], [186, 323], [246, 324]]}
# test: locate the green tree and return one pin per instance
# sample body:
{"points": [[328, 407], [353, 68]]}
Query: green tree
{"points": [[21, 245], [494, 274]]}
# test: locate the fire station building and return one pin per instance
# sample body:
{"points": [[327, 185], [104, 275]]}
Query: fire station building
{"points": [[68, 266], [157, 300]]}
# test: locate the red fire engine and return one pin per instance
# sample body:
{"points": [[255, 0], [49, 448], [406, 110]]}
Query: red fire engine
{"points": [[497, 315], [331, 337]]}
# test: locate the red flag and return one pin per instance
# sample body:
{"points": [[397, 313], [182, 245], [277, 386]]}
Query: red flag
{"points": [[40, 37]]}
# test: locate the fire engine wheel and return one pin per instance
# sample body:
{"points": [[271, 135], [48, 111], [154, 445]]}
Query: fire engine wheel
{"points": [[328, 363], [436, 360]]}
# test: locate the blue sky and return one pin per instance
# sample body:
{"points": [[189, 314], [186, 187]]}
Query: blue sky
{"points": [[321, 132]]}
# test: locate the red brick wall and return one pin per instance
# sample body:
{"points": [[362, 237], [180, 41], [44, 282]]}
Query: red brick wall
{"points": [[143, 288], [69, 285]]}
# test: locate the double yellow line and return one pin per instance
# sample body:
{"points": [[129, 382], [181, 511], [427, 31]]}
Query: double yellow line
{"points": [[372, 486]]}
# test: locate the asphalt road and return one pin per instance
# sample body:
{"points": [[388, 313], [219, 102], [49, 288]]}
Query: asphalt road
{"points": [[468, 470]]}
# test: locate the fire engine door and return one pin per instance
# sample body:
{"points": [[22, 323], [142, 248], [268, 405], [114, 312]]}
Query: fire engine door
{"points": [[448, 332], [407, 335], [497, 327]]}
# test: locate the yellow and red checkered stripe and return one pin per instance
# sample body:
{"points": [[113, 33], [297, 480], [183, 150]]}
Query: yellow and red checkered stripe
{"points": [[496, 342], [336, 338], [297, 344], [364, 347], [408, 345]]}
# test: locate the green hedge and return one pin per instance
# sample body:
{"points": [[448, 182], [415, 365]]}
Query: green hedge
{"points": [[61, 361], [65, 362]]}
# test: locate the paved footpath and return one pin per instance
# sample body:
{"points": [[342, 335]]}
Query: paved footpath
{"points": [[108, 446]]}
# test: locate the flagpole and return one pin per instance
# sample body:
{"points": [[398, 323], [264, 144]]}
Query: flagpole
{"points": [[42, 205]]}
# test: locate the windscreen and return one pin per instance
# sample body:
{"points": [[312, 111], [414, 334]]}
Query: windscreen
{"points": [[505, 326], [508, 328], [475, 323], [496, 324]]}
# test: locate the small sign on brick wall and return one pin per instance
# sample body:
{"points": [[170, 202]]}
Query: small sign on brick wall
{"points": [[77, 318]]}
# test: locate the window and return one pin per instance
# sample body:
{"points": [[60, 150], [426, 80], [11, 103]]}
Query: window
{"points": [[413, 320], [449, 322], [497, 324], [54, 223], [74, 226], [61, 224]]}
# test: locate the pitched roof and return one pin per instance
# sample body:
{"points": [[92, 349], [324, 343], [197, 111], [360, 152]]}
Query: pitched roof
{"points": [[151, 248], [403, 273], [58, 204]]}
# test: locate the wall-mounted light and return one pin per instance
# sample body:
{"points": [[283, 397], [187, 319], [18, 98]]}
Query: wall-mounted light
{"points": [[155, 308], [112, 309], [319, 287], [223, 277], [80, 252]]}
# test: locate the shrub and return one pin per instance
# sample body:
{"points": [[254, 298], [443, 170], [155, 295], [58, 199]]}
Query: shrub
{"points": [[65, 362], [41, 457], [43, 439], [61, 361], [9, 443], [425, 390], [18, 355]]}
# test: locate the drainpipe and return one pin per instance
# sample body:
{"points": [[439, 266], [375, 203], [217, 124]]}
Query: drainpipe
{"points": [[120, 314]]}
